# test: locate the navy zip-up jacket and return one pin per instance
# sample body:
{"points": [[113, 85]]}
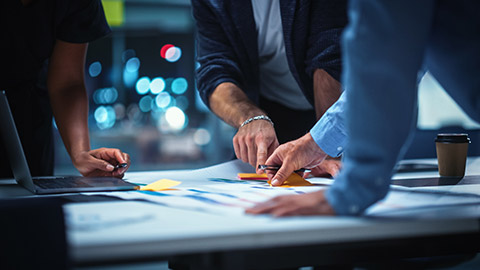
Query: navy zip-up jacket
{"points": [[227, 49]]}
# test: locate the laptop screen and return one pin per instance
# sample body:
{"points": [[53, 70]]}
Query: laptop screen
{"points": [[11, 141]]}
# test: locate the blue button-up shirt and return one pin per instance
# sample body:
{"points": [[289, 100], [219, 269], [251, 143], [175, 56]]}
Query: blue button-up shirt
{"points": [[385, 45]]}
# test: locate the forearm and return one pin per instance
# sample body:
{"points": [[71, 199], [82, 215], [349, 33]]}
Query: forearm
{"points": [[326, 90], [70, 109], [231, 104]]}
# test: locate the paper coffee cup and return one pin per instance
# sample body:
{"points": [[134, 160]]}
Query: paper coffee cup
{"points": [[452, 154]]}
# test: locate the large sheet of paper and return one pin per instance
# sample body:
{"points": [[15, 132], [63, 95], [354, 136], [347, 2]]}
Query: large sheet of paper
{"points": [[217, 190]]}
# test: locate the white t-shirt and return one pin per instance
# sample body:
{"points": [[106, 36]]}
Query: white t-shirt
{"points": [[276, 80]]}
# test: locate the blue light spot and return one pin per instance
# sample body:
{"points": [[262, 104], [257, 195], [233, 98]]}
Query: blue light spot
{"points": [[132, 65], [105, 95], [110, 95], [163, 100], [129, 78], [95, 69], [100, 114], [145, 103], [143, 85], [157, 85], [105, 117], [179, 86]]}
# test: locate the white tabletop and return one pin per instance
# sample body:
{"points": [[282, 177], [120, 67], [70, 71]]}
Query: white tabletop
{"points": [[106, 231]]}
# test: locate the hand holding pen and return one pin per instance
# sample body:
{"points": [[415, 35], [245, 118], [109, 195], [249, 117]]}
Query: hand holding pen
{"points": [[293, 156]]}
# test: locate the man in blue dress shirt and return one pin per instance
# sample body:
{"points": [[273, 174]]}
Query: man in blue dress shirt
{"points": [[385, 45]]}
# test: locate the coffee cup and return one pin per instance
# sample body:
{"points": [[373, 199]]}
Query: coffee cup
{"points": [[452, 151]]}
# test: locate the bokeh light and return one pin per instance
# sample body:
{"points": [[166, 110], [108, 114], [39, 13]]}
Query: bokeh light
{"points": [[132, 65], [202, 137], [179, 86], [163, 100], [105, 95], [105, 117], [143, 85], [163, 50], [95, 69], [129, 78], [173, 54], [157, 85], [176, 118], [145, 103]]}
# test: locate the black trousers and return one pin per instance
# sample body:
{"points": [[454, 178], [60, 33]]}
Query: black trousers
{"points": [[290, 124]]}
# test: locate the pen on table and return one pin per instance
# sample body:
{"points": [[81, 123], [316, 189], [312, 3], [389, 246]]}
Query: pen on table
{"points": [[276, 168]]}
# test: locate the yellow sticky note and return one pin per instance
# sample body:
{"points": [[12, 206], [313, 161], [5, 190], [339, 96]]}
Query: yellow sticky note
{"points": [[252, 176], [295, 180], [162, 184]]}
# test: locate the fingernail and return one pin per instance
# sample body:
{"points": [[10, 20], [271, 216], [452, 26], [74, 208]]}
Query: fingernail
{"points": [[110, 167], [275, 182]]}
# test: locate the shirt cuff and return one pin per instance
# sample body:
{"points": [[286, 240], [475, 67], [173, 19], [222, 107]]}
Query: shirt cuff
{"points": [[330, 135]]}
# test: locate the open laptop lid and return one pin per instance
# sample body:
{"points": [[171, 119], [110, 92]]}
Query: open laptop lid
{"points": [[12, 143]]}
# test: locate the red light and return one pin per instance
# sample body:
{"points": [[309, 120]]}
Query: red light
{"points": [[164, 49]]}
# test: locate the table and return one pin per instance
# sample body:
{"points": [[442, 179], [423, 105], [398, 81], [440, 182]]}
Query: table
{"points": [[129, 231]]}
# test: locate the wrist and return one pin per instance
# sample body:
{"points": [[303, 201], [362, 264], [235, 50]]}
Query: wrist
{"points": [[78, 155], [255, 118], [313, 146]]}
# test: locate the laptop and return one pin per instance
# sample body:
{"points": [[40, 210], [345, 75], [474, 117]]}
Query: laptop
{"points": [[48, 184]]}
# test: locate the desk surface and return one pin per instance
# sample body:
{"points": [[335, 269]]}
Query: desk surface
{"points": [[136, 230]]}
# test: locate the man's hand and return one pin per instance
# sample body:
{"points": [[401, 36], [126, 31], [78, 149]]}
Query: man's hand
{"points": [[101, 162], [329, 167], [255, 142], [294, 155], [289, 205]]}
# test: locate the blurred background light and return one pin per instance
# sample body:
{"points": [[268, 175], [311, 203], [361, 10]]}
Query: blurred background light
{"points": [[114, 12], [173, 54], [132, 65], [157, 85], [105, 117], [129, 78], [163, 50], [163, 100], [179, 86], [176, 118], [143, 85], [202, 136], [105, 95], [145, 103], [95, 69]]}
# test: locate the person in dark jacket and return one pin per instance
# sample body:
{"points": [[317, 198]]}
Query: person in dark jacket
{"points": [[269, 68]]}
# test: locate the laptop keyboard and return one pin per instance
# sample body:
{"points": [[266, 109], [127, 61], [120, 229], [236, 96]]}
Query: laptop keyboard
{"points": [[60, 182]]}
